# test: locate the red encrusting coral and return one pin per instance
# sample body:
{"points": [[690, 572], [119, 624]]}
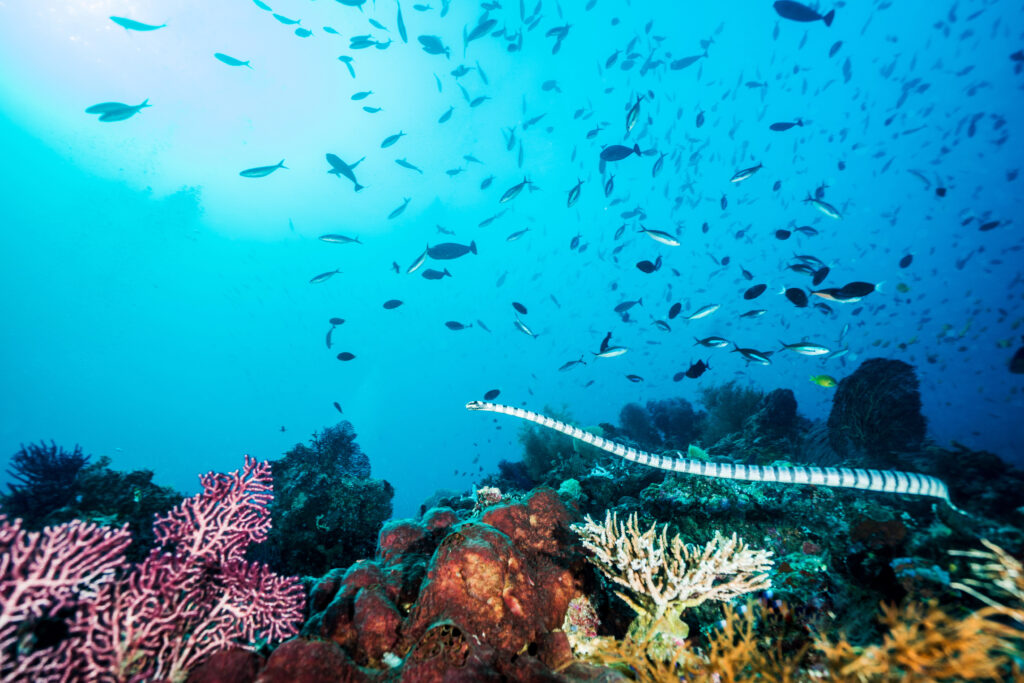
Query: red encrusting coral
{"points": [[457, 601]]}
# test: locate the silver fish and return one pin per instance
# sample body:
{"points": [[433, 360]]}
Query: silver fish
{"points": [[262, 171]]}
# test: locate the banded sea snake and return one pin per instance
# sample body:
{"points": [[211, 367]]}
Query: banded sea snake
{"points": [[903, 483]]}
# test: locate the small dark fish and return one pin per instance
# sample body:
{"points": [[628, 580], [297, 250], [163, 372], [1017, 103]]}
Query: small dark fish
{"points": [[648, 267], [345, 355], [431, 274], [519, 307], [619, 152], [797, 297], [1017, 362], [574, 194], [634, 378], [492, 394], [432, 45], [455, 325], [303, 32], [513, 192], [819, 275], [678, 64], [674, 311], [782, 234], [754, 292], [857, 289], [405, 164], [400, 208], [785, 125], [571, 364], [906, 260], [984, 227], [745, 173], [337, 321], [697, 369], [324, 277], [795, 11], [626, 305], [362, 95], [450, 250], [337, 406]]}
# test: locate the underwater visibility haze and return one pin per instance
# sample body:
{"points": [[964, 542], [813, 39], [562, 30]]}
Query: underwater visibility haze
{"points": [[763, 232]]}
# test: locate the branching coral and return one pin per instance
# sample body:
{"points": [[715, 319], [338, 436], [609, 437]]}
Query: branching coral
{"points": [[663, 576]]}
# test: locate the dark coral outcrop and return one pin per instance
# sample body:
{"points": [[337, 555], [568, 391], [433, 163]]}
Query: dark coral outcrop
{"points": [[327, 510], [876, 411]]}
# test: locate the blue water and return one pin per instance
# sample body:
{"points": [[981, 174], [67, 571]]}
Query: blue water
{"points": [[156, 305]]}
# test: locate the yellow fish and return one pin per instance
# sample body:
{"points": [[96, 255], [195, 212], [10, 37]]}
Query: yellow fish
{"points": [[826, 381]]}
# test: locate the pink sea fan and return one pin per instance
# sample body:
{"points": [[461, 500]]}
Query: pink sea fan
{"points": [[232, 512], [196, 595], [156, 620], [42, 572]]}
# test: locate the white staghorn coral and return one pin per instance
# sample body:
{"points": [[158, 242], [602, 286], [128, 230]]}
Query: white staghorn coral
{"points": [[664, 575]]}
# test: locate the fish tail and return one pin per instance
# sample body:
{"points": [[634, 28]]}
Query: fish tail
{"points": [[145, 102], [636, 150], [472, 247], [360, 187], [829, 17], [280, 164]]}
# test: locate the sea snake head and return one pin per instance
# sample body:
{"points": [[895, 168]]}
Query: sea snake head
{"points": [[475, 405]]}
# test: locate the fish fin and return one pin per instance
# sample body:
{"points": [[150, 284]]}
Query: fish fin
{"points": [[360, 187], [829, 17]]}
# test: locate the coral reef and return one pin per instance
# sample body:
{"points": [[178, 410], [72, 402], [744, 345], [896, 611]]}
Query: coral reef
{"points": [[57, 487], [876, 411], [677, 422], [477, 598], [327, 510], [728, 406]]}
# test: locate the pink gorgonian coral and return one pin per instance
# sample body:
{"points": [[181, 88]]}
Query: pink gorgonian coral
{"points": [[192, 596]]}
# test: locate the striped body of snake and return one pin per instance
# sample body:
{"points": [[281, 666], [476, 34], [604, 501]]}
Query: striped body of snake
{"points": [[903, 483]]}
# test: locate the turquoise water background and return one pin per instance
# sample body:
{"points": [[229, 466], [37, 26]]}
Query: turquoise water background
{"points": [[157, 307]]}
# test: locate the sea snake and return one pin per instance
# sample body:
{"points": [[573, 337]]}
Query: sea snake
{"points": [[903, 483]]}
